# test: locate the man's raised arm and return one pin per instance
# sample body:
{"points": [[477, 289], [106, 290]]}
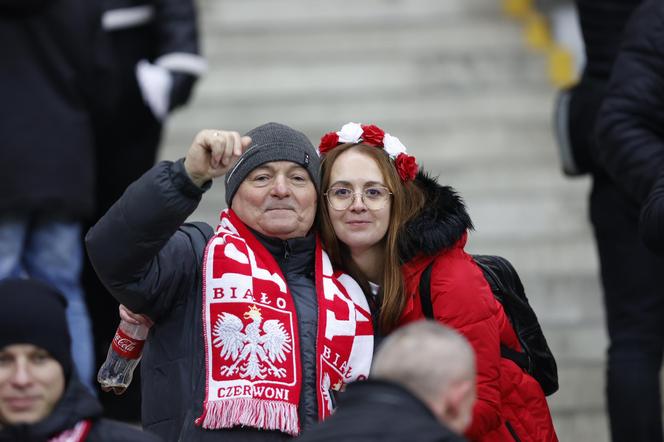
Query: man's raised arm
{"points": [[136, 248]]}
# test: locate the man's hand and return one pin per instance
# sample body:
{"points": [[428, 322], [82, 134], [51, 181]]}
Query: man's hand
{"points": [[213, 153]]}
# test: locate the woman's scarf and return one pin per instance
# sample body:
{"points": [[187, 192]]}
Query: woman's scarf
{"points": [[76, 434]]}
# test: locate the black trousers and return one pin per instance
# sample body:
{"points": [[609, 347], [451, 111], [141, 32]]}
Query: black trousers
{"points": [[633, 282], [126, 148]]}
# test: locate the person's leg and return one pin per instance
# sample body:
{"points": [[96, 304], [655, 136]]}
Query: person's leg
{"points": [[632, 279], [13, 228], [54, 254]]}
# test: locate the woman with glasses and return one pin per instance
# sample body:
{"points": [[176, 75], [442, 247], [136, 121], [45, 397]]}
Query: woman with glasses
{"points": [[384, 223]]}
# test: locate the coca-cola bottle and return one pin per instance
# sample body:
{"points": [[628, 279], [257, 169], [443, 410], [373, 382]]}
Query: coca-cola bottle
{"points": [[124, 353]]}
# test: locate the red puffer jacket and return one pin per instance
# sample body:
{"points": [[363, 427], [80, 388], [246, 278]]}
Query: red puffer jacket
{"points": [[510, 403]]}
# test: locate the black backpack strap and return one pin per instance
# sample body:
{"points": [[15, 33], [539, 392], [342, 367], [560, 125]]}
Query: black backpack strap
{"points": [[518, 357], [200, 233], [501, 284], [425, 292]]}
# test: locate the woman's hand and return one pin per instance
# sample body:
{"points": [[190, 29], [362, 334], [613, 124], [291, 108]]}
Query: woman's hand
{"points": [[134, 318]]}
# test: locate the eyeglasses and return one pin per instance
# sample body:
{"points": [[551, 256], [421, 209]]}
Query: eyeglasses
{"points": [[341, 198]]}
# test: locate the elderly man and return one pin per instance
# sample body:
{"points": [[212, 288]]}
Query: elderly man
{"points": [[253, 328], [422, 388], [41, 397]]}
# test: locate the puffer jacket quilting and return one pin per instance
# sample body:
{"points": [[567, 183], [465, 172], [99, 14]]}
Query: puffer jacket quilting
{"points": [[462, 299]]}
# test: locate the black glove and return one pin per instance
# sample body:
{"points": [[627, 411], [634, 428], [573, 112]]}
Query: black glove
{"points": [[183, 84]]}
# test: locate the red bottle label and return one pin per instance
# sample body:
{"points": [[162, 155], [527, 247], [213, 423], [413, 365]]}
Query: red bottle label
{"points": [[126, 346]]}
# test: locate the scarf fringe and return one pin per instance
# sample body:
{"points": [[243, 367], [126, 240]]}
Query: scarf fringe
{"points": [[266, 415]]}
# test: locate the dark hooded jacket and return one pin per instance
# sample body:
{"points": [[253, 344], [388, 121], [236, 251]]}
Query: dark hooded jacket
{"points": [[380, 411], [49, 81], [602, 24], [76, 404], [509, 401], [630, 127], [152, 264], [167, 29]]}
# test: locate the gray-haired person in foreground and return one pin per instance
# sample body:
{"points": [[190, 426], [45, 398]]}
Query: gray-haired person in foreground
{"points": [[421, 388]]}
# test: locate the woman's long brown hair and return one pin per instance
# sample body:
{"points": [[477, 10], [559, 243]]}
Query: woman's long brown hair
{"points": [[407, 200]]}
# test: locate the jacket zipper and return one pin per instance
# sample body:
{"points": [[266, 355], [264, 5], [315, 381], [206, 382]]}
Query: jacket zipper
{"points": [[287, 250], [511, 430]]}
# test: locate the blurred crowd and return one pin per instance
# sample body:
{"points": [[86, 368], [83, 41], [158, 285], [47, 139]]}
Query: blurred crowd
{"points": [[86, 87]]}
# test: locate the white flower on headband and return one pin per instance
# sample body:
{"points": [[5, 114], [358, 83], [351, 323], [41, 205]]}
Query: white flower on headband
{"points": [[350, 133], [393, 146]]}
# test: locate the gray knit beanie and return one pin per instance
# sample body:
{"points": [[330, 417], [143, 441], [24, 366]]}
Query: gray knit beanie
{"points": [[273, 142]]}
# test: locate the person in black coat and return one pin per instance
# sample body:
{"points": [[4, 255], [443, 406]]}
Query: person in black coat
{"points": [[629, 154], [421, 388], [205, 370], [652, 219], [154, 46], [54, 57], [41, 397], [602, 24], [156, 62], [634, 151]]}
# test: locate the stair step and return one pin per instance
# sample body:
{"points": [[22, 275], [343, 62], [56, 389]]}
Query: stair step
{"points": [[582, 425], [366, 76], [524, 217], [442, 143], [580, 384], [372, 40], [577, 344], [429, 106], [558, 256], [311, 14], [561, 303]]}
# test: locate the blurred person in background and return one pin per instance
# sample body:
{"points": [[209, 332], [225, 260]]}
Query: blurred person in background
{"points": [[421, 388], [629, 151], [41, 397], [53, 63], [156, 61], [618, 97]]}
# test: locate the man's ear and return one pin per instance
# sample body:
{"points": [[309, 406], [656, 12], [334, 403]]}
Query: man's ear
{"points": [[458, 400]]}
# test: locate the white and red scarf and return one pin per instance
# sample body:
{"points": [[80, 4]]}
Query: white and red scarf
{"points": [[250, 328], [76, 434]]}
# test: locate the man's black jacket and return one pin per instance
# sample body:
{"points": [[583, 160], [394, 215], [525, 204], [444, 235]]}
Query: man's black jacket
{"points": [[382, 412], [152, 264]]}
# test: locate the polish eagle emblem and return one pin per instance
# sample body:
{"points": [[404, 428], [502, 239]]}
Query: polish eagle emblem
{"points": [[254, 351]]}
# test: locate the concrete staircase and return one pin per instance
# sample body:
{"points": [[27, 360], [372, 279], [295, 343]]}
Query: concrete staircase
{"points": [[452, 80]]}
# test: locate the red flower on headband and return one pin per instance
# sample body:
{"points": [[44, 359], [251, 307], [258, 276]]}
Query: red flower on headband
{"points": [[372, 135], [328, 141], [406, 167]]}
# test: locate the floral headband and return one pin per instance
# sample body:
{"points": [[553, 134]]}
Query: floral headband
{"points": [[373, 136]]}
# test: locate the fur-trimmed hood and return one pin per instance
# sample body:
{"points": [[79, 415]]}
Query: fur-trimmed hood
{"points": [[441, 223]]}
